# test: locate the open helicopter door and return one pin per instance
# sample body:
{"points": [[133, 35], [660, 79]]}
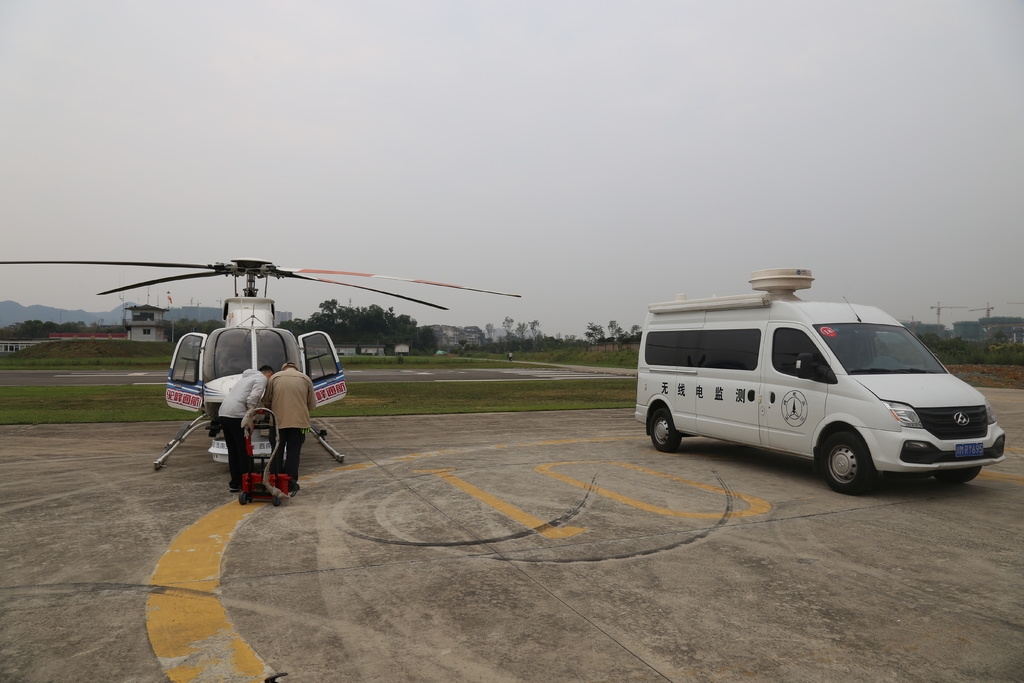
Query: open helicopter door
{"points": [[185, 376], [185, 388], [320, 362]]}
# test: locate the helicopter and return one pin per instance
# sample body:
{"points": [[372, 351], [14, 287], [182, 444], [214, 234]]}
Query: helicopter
{"points": [[204, 367]]}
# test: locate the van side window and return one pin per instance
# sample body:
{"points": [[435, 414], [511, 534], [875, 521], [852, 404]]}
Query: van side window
{"points": [[660, 348], [676, 348], [786, 344], [729, 349]]}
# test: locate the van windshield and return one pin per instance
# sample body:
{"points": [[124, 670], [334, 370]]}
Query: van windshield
{"points": [[867, 349]]}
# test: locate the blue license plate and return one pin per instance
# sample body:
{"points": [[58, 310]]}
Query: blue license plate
{"points": [[967, 450]]}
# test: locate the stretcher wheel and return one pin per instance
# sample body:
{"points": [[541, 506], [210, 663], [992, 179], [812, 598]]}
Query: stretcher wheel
{"points": [[277, 501], [243, 498]]}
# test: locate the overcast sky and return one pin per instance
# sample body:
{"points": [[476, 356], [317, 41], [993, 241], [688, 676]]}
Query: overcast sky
{"points": [[591, 156]]}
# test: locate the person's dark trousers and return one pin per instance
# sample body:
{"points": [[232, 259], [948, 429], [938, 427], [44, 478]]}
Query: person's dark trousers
{"points": [[292, 439], [234, 438]]}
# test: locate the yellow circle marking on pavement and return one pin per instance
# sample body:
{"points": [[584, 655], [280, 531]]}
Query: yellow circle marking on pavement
{"points": [[188, 627]]}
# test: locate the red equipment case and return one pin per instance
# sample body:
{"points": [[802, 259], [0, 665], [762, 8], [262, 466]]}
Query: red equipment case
{"points": [[253, 486]]}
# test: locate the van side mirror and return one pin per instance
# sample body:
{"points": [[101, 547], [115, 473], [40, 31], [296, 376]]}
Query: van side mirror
{"points": [[810, 366]]}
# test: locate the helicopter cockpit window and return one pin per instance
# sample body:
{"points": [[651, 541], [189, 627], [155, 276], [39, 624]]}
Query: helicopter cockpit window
{"points": [[271, 349], [232, 353], [319, 357]]}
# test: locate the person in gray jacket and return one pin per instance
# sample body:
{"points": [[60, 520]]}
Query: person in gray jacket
{"points": [[245, 395]]}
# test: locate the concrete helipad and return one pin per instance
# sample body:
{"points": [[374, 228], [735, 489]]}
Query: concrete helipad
{"points": [[501, 547]]}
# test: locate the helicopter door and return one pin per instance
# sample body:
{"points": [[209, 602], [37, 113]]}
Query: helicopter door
{"points": [[320, 362], [184, 377]]}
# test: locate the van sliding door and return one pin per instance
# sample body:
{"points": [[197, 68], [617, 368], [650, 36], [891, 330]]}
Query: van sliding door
{"points": [[727, 383]]}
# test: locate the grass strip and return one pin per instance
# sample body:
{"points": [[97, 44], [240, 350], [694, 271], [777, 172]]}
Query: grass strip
{"points": [[66, 405]]}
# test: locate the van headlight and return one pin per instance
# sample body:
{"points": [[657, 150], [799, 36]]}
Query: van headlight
{"points": [[904, 414], [991, 413]]}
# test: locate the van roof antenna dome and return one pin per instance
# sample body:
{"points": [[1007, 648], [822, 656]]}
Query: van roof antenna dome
{"points": [[781, 283]]}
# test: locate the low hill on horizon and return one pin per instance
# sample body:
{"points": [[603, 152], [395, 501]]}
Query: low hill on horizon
{"points": [[12, 312]]}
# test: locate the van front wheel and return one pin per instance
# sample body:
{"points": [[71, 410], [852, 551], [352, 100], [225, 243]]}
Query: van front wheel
{"points": [[846, 464], [663, 433]]}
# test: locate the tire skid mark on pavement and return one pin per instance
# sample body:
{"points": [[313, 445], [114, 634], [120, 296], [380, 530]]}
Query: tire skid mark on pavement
{"points": [[755, 506]]}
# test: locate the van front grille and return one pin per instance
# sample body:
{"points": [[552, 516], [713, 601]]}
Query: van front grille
{"points": [[955, 423]]}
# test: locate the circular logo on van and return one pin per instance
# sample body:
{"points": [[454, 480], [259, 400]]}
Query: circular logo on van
{"points": [[794, 408]]}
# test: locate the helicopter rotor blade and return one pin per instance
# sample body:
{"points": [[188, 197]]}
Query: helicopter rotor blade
{"points": [[189, 276], [392, 277], [368, 289], [154, 264], [259, 268]]}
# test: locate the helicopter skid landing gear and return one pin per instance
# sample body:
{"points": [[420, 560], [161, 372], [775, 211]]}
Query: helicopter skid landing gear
{"points": [[321, 436], [186, 429]]}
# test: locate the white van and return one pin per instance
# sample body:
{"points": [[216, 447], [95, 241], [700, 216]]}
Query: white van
{"points": [[846, 385]]}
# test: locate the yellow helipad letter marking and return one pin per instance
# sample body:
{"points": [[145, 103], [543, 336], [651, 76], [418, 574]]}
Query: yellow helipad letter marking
{"points": [[188, 627], [757, 506], [527, 520]]}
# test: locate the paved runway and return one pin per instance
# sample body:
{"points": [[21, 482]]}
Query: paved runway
{"points": [[501, 547]]}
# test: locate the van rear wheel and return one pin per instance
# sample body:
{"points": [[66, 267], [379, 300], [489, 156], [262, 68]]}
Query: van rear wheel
{"points": [[663, 433], [846, 464]]}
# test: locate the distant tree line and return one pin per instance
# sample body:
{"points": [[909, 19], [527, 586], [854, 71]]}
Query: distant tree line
{"points": [[956, 351], [528, 336], [616, 333], [370, 324]]}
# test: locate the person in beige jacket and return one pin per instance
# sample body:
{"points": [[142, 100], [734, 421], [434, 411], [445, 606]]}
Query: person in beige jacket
{"points": [[290, 397]]}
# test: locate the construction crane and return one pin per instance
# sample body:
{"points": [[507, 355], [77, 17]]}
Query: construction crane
{"points": [[938, 312], [987, 308]]}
